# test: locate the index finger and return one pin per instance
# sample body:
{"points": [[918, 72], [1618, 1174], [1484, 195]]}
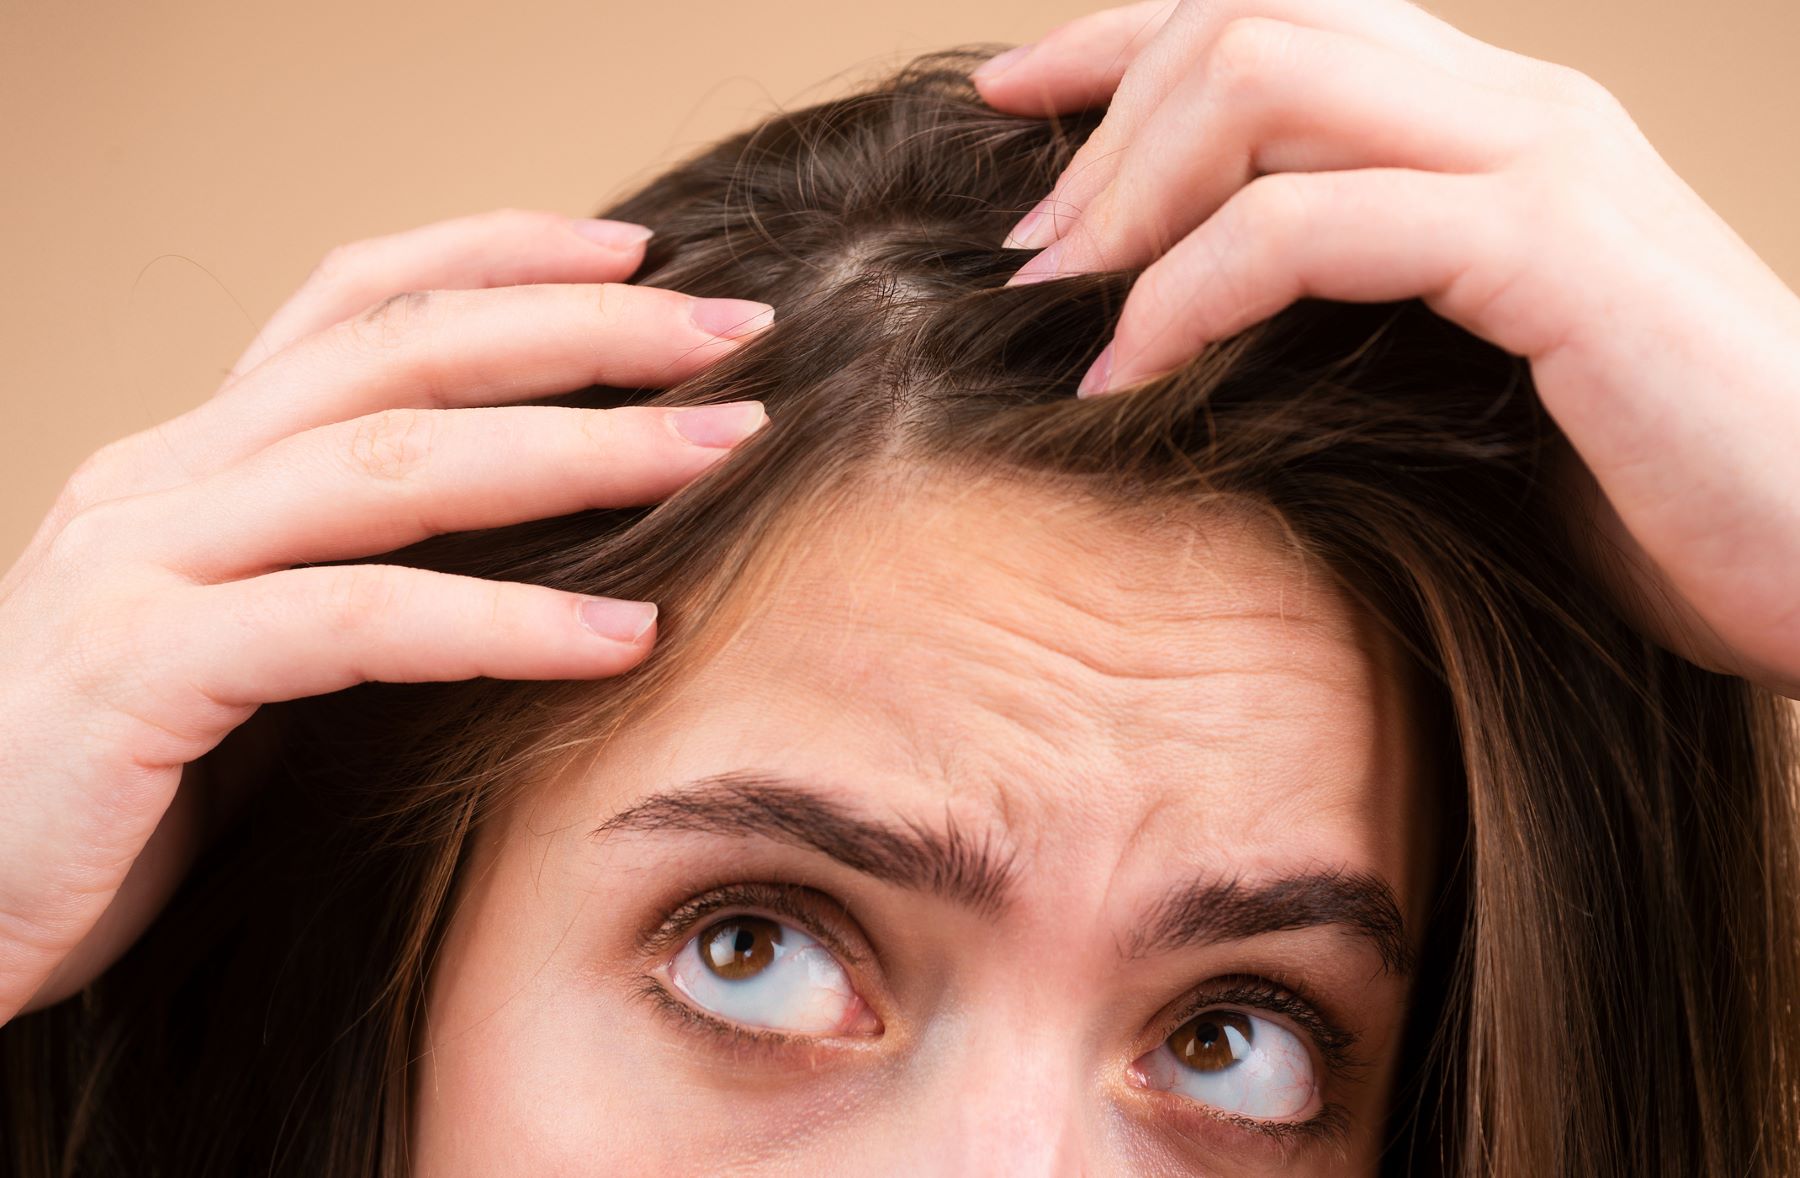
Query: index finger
{"points": [[503, 247], [454, 348]]}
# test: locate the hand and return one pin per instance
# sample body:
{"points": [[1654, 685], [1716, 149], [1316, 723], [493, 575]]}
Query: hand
{"points": [[1258, 151], [155, 609]]}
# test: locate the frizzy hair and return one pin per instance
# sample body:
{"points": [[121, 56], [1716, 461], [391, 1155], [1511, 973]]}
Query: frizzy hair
{"points": [[1610, 984]]}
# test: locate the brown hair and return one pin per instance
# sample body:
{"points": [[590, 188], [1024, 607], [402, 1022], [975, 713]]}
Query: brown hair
{"points": [[1611, 975]]}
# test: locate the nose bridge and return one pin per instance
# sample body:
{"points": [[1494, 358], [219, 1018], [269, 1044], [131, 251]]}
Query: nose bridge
{"points": [[1012, 1101]]}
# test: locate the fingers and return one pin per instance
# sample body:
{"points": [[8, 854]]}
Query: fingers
{"points": [[505, 247], [1074, 66], [1371, 235], [455, 348], [379, 482], [1177, 53], [308, 631], [1277, 97]]}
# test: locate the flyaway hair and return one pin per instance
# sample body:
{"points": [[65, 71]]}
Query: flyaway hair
{"points": [[1611, 981]]}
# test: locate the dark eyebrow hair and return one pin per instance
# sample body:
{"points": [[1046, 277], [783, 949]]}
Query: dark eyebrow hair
{"points": [[1229, 910], [948, 862]]}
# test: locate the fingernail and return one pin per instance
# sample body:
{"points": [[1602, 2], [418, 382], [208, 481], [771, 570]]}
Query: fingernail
{"points": [[617, 235], [1041, 267], [1098, 374], [1021, 236], [720, 425], [998, 64], [621, 621], [731, 318]]}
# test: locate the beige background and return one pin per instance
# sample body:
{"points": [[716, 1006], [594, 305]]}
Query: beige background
{"points": [[171, 169]]}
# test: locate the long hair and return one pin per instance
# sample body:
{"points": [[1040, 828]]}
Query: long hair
{"points": [[1611, 977]]}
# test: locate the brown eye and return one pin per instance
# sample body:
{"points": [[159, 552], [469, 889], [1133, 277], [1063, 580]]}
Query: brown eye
{"points": [[740, 947], [1213, 1041]]}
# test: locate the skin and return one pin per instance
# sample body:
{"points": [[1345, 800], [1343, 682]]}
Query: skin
{"points": [[156, 608], [1115, 708], [1257, 151]]}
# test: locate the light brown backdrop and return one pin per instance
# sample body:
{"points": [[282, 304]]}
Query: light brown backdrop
{"points": [[171, 169]]}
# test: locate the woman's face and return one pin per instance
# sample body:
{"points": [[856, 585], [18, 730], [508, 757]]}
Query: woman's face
{"points": [[1004, 838]]}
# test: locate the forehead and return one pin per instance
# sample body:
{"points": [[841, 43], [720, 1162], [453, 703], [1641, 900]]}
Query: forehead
{"points": [[1089, 683]]}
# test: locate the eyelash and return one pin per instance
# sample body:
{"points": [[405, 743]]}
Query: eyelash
{"points": [[1331, 1124], [801, 904], [796, 902]]}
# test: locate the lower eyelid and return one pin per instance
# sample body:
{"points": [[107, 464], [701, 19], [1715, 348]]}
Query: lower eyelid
{"points": [[758, 1046], [858, 1019], [1222, 1132], [1328, 1127], [692, 1019], [1217, 1132]]}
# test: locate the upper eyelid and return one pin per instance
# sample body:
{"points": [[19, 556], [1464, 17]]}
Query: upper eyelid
{"points": [[1330, 1040], [1333, 1043], [686, 918]]}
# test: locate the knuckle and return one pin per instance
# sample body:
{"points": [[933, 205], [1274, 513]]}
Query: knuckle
{"points": [[337, 263], [1076, 175], [392, 445], [1247, 51], [496, 600], [1576, 105], [357, 595], [98, 475], [1581, 90], [1277, 206], [606, 298], [1158, 298], [395, 320], [1129, 205], [96, 530], [1262, 222], [1604, 129], [1219, 285]]}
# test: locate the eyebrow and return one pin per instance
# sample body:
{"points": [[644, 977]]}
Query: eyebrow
{"points": [[947, 862], [950, 863], [1205, 911]]}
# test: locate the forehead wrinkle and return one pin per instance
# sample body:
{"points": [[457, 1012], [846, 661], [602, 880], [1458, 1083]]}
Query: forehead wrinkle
{"points": [[1068, 708], [1188, 653], [1143, 609], [877, 614], [1142, 576]]}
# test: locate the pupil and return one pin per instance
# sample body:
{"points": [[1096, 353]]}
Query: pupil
{"points": [[1205, 1044], [740, 947]]}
